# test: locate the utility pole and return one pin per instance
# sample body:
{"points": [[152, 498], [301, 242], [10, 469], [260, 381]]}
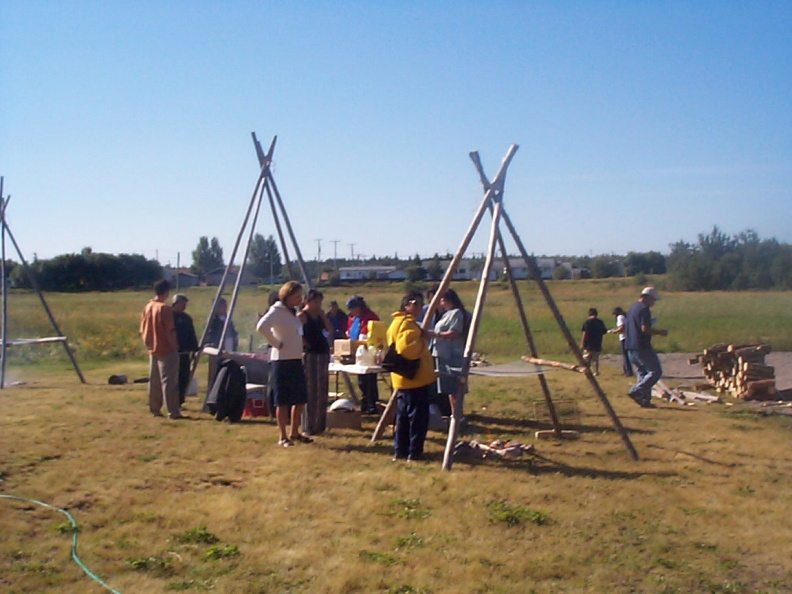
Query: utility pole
{"points": [[335, 243], [318, 250], [352, 249]]}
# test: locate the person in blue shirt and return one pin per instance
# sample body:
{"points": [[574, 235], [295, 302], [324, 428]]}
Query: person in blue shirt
{"points": [[638, 331]]}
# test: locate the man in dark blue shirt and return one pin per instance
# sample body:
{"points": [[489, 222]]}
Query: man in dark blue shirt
{"points": [[591, 343], [638, 330]]}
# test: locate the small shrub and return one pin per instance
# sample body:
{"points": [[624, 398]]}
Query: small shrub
{"points": [[155, 564], [65, 528], [382, 558], [410, 541], [515, 515], [196, 535], [409, 509], [222, 551]]}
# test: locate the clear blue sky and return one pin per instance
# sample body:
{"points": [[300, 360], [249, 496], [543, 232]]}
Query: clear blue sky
{"points": [[125, 126]]}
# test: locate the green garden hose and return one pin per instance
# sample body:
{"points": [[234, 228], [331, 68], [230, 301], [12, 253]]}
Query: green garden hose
{"points": [[74, 537]]}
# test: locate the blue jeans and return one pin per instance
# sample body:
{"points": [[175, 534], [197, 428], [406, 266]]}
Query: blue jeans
{"points": [[647, 368], [412, 421], [626, 367]]}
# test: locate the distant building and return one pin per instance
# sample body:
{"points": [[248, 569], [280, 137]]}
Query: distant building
{"points": [[364, 273], [213, 277], [181, 277], [463, 270], [520, 269]]}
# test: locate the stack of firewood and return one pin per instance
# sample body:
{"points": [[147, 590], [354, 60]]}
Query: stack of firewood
{"points": [[739, 369]]}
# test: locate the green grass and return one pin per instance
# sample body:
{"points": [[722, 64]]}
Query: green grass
{"points": [[103, 327]]}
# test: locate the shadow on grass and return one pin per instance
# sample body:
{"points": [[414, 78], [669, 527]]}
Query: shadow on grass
{"points": [[531, 463], [546, 465], [534, 463], [480, 424], [693, 455]]}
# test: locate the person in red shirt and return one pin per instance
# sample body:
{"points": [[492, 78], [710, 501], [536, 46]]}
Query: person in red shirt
{"points": [[159, 335]]}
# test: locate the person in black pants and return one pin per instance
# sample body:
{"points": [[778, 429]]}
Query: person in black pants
{"points": [[188, 343], [412, 394]]}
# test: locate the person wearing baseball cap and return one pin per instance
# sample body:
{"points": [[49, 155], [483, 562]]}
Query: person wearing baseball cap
{"points": [[638, 342], [188, 342]]}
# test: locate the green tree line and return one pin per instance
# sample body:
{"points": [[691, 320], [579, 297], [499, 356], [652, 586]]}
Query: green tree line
{"points": [[722, 262], [87, 271]]}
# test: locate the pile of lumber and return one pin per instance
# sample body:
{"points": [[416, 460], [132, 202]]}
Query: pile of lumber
{"points": [[739, 369]]}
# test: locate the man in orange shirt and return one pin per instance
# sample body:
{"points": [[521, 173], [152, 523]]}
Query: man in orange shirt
{"points": [[159, 335]]}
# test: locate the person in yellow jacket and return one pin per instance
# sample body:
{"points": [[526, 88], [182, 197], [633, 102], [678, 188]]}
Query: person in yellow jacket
{"points": [[412, 395]]}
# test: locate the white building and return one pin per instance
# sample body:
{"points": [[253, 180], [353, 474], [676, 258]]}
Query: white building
{"points": [[364, 273]]}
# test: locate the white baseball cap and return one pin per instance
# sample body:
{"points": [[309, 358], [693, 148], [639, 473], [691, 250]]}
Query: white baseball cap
{"points": [[651, 292]]}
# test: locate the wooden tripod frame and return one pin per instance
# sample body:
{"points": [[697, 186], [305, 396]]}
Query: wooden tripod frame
{"points": [[493, 202], [264, 183]]}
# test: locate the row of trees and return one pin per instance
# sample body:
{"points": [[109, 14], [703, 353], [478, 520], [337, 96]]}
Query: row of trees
{"points": [[716, 262], [87, 271], [722, 262]]}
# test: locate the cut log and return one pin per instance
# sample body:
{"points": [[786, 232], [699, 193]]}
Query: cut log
{"points": [[551, 434], [699, 396], [557, 364]]}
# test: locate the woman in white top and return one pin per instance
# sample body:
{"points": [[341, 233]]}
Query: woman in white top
{"points": [[283, 330], [618, 312]]}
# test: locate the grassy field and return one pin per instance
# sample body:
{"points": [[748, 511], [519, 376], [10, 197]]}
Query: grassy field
{"points": [[200, 505]]}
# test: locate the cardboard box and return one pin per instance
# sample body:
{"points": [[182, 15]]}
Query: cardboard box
{"points": [[344, 419], [344, 347]]}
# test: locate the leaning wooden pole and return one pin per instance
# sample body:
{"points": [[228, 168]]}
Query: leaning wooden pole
{"points": [[474, 156], [471, 232], [531, 263], [238, 281], [3, 203], [52, 321], [272, 189], [443, 286], [273, 209], [279, 229], [300, 261], [254, 198], [529, 338], [459, 397]]}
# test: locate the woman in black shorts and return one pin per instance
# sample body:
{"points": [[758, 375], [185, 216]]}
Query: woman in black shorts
{"points": [[283, 330]]}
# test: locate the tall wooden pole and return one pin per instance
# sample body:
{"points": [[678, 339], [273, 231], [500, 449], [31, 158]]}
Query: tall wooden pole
{"points": [[531, 263], [492, 195], [483, 207], [298, 253], [52, 321], [459, 397], [238, 281], [254, 198], [520, 309], [281, 238]]}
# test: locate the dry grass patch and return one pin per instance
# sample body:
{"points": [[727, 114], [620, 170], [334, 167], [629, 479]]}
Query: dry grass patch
{"points": [[199, 505]]}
